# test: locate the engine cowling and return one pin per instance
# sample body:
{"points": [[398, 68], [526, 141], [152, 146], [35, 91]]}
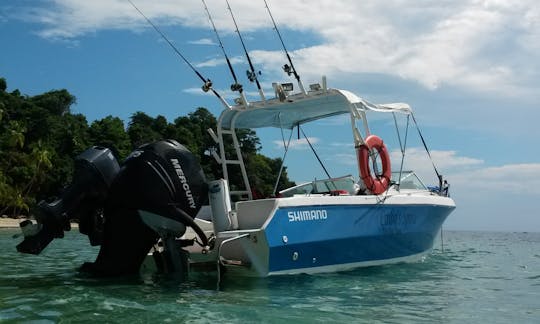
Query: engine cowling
{"points": [[162, 178]]}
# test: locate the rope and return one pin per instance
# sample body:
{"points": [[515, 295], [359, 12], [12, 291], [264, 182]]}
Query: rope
{"points": [[425, 146], [398, 134], [403, 150], [316, 155], [286, 146]]}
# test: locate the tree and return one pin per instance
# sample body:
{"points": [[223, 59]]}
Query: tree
{"points": [[109, 132], [35, 134], [56, 102], [11, 166], [141, 129]]}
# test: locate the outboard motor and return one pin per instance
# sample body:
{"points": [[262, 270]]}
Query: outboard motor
{"points": [[162, 182], [157, 192], [83, 200]]}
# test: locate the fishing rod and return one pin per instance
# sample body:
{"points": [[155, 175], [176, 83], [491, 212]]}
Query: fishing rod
{"points": [[235, 86], [207, 82], [252, 75], [289, 69]]}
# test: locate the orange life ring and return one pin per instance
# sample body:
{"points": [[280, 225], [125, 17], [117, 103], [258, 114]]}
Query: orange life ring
{"points": [[379, 183]]}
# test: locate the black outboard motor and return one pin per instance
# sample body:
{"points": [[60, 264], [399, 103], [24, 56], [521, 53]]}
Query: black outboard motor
{"points": [[157, 192], [161, 180], [83, 200]]}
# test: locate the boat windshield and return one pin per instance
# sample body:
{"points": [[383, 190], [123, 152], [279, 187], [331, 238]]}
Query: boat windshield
{"points": [[342, 185], [409, 180]]}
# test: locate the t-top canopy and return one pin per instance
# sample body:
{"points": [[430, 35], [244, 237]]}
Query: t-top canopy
{"points": [[299, 109]]}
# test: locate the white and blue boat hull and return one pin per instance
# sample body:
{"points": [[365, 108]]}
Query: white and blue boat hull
{"points": [[339, 233]]}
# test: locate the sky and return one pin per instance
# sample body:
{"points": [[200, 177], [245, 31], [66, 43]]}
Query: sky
{"points": [[470, 69]]}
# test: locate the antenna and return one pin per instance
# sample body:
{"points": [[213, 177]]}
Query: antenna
{"points": [[252, 74], [207, 82], [288, 69], [235, 86]]}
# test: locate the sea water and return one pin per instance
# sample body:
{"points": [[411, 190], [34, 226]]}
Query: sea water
{"points": [[473, 277]]}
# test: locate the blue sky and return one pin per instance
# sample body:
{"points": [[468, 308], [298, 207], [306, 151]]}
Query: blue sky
{"points": [[470, 70]]}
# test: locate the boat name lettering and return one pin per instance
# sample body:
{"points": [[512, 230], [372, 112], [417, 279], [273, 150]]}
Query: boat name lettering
{"points": [[397, 219], [183, 180], [307, 215]]}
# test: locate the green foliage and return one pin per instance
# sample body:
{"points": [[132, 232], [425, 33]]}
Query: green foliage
{"points": [[143, 129], [56, 102], [263, 172], [109, 132], [40, 137]]}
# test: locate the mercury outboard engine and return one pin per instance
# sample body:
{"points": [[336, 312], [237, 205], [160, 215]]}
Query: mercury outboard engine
{"points": [[157, 192], [162, 181]]}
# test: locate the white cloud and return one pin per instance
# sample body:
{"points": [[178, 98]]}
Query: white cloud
{"points": [[417, 159], [489, 46], [211, 62], [520, 179], [297, 144], [203, 41], [471, 174], [219, 61], [460, 49]]}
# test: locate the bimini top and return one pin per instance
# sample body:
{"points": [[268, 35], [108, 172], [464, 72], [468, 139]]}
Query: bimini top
{"points": [[299, 109]]}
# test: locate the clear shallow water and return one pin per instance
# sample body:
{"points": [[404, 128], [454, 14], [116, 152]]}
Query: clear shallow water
{"points": [[479, 278]]}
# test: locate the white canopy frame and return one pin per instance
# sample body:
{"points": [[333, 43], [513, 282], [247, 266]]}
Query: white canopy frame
{"points": [[290, 112]]}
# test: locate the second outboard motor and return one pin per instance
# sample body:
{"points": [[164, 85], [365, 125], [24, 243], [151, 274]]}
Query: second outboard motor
{"points": [[163, 182], [83, 200]]}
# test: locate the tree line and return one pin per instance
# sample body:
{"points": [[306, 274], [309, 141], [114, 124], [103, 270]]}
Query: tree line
{"points": [[40, 137]]}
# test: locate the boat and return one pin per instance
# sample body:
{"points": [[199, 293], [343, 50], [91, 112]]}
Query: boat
{"points": [[156, 211], [327, 225]]}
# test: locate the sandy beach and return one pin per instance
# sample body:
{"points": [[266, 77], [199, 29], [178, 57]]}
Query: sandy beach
{"points": [[6, 222], [10, 222]]}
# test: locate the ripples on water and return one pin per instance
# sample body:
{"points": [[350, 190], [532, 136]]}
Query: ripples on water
{"points": [[480, 277]]}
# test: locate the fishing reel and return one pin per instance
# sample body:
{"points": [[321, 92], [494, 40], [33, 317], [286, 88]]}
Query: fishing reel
{"points": [[288, 69], [252, 75], [207, 85], [236, 87]]}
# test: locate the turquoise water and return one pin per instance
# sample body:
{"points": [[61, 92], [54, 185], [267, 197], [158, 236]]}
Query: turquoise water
{"points": [[479, 278]]}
